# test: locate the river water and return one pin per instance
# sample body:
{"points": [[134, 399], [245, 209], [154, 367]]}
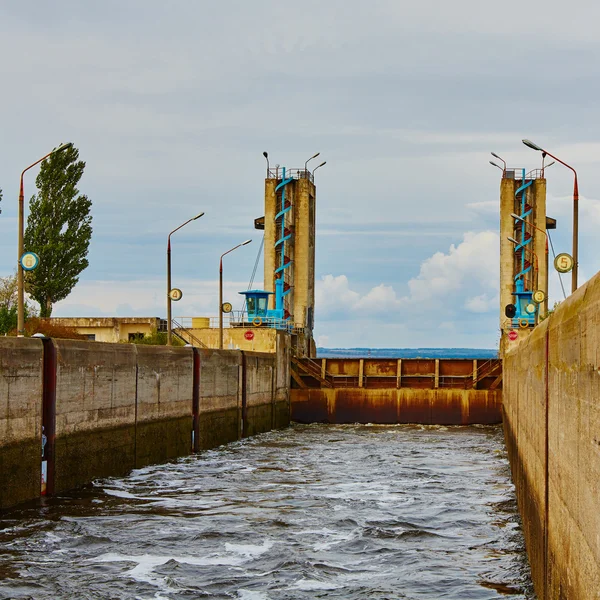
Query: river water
{"points": [[310, 512]]}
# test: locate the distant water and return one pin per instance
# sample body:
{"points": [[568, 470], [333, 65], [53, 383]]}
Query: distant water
{"points": [[407, 353], [315, 511]]}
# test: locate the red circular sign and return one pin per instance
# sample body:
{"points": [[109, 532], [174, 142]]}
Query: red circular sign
{"points": [[512, 335], [249, 335]]}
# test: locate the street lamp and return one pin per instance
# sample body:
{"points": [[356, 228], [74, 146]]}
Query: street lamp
{"points": [[501, 159], [533, 146], [266, 155], [221, 291], [21, 249], [497, 166], [169, 322], [306, 163], [318, 167]]}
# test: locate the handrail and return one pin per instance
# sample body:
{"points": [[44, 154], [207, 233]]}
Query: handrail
{"points": [[177, 329], [277, 173]]}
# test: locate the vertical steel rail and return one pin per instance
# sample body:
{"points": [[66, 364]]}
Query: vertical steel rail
{"points": [[49, 412], [280, 244], [523, 214]]}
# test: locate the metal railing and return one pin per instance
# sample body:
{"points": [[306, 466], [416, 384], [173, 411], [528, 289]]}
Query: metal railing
{"points": [[306, 367], [277, 173], [237, 319], [185, 335], [517, 173]]}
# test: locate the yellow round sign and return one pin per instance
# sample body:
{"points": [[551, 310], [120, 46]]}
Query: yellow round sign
{"points": [[564, 263], [538, 296], [176, 294], [226, 307]]}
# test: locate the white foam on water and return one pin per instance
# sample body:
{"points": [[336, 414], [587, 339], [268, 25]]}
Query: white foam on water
{"points": [[313, 584], [120, 494], [252, 595], [324, 531], [335, 539], [249, 550], [146, 563]]}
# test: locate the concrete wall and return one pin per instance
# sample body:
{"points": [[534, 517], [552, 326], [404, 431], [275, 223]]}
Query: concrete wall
{"points": [[259, 393], [165, 382], [264, 340], [552, 427], [220, 415], [108, 408], [95, 411], [21, 376]]}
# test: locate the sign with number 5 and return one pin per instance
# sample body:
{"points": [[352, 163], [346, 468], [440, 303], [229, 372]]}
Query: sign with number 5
{"points": [[564, 263]]}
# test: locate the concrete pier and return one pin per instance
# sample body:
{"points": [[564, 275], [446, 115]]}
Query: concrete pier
{"points": [[108, 408], [552, 427]]}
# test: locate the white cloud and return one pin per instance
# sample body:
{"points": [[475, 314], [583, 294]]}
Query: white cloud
{"points": [[468, 268], [482, 303], [487, 207], [467, 276]]}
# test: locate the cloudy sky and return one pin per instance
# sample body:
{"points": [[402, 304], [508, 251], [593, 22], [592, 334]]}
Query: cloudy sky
{"points": [[172, 103]]}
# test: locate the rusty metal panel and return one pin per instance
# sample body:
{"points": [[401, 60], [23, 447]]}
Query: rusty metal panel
{"points": [[418, 381], [378, 367], [386, 382], [343, 366], [447, 407], [457, 382], [418, 366], [342, 381], [485, 407], [451, 366], [309, 406], [361, 406], [414, 406]]}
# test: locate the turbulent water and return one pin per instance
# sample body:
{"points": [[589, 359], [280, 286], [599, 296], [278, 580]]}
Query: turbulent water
{"points": [[310, 512]]}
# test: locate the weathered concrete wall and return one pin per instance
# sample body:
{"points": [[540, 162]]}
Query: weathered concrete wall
{"points": [[21, 376], [259, 393], [282, 381], [220, 414], [109, 408], [552, 426], [165, 381], [264, 339], [95, 411], [405, 405]]}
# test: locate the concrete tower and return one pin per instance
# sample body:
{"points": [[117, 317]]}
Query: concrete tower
{"points": [[523, 261], [290, 215]]}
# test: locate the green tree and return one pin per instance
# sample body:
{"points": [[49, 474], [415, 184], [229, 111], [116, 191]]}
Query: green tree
{"points": [[8, 304], [59, 230]]}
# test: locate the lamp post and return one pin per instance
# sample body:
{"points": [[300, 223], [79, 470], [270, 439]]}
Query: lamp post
{"points": [[318, 167], [497, 166], [266, 155], [533, 146], [221, 291], [306, 163], [169, 323], [21, 249], [501, 159]]}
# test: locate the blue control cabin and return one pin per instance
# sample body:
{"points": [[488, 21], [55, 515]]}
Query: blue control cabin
{"points": [[257, 302], [526, 309]]}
